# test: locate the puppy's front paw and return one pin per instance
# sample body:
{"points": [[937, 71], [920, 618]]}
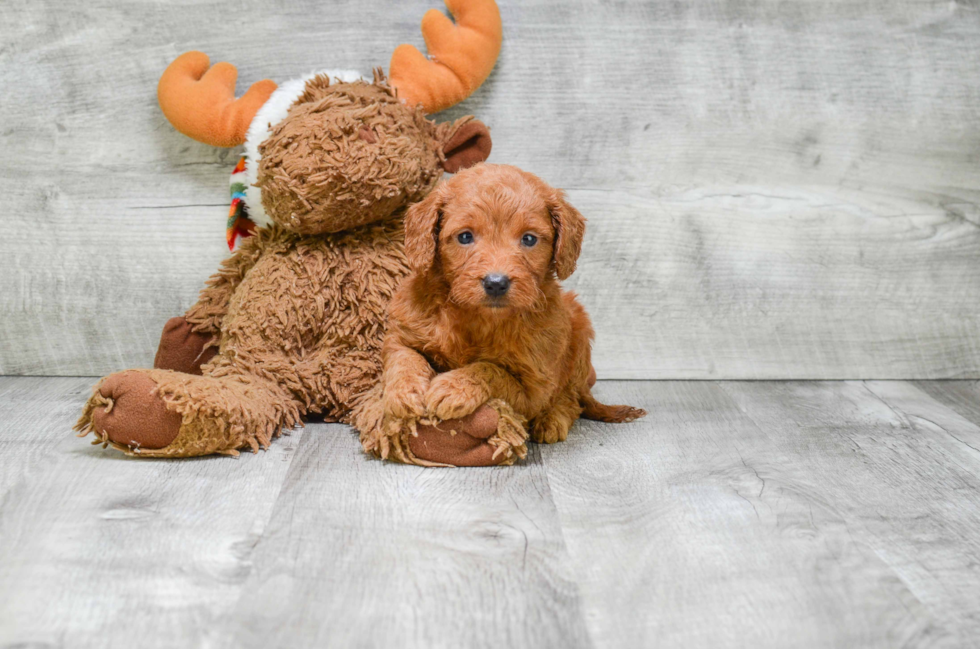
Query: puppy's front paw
{"points": [[453, 395], [404, 398]]}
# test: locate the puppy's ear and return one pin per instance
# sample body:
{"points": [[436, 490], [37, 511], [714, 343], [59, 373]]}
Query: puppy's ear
{"points": [[465, 145], [569, 227], [422, 229]]}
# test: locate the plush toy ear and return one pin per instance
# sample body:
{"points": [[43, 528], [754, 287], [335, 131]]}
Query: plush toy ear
{"points": [[569, 227], [422, 230], [468, 145]]}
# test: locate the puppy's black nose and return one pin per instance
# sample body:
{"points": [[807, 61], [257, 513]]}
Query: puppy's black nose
{"points": [[496, 284]]}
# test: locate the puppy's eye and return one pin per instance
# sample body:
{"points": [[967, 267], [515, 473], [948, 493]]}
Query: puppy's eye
{"points": [[529, 240], [465, 238]]}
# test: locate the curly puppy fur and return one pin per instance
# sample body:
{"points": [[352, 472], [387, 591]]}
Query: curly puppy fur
{"points": [[456, 340]]}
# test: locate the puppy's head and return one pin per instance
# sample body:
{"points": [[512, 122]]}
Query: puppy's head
{"points": [[496, 235]]}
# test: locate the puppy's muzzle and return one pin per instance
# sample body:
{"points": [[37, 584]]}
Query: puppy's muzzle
{"points": [[496, 285]]}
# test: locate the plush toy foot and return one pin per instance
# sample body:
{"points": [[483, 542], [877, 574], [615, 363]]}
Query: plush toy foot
{"points": [[181, 349], [486, 437], [491, 435], [126, 412], [159, 413]]}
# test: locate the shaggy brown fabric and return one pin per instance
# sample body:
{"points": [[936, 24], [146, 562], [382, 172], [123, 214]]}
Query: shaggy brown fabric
{"points": [[363, 181], [182, 349], [299, 312], [302, 333]]}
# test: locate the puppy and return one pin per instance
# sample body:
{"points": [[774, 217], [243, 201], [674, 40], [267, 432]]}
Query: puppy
{"points": [[483, 317]]}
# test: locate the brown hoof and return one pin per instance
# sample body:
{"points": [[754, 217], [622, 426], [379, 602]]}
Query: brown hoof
{"points": [[134, 416], [467, 447], [181, 349]]}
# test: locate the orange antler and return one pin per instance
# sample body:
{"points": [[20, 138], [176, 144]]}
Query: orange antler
{"points": [[201, 104], [462, 55]]}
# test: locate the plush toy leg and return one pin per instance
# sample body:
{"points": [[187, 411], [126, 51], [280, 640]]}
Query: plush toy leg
{"points": [[159, 413], [492, 435], [183, 350]]}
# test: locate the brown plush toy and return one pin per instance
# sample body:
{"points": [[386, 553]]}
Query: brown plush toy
{"points": [[292, 323]]}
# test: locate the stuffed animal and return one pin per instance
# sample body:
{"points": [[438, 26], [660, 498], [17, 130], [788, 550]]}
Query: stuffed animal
{"points": [[292, 323]]}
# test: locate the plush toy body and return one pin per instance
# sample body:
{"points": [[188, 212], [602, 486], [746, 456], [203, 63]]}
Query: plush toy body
{"points": [[292, 324]]}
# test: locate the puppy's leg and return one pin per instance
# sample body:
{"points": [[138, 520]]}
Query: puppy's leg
{"points": [[388, 420], [405, 379], [553, 424], [459, 392], [494, 434], [583, 374]]}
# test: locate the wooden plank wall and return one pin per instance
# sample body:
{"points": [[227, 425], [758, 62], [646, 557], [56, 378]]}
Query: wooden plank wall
{"points": [[775, 189]]}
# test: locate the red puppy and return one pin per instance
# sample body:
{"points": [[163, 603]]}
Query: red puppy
{"points": [[483, 317]]}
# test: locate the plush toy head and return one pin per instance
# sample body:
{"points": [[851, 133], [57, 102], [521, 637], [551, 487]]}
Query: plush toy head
{"points": [[332, 151]]}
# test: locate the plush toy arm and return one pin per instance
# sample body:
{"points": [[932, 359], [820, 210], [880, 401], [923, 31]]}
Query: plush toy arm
{"points": [[208, 313], [461, 56]]}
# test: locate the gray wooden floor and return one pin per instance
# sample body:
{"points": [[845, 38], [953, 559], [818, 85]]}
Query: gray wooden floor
{"points": [[806, 514]]}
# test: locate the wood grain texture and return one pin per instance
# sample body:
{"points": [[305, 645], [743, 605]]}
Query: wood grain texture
{"points": [[739, 514], [101, 550], [363, 553], [774, 189], [962, 397], [904, 476], [772, 515]]}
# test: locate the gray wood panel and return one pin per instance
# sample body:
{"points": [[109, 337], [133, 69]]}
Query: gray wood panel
{"points": [[772, 515], [363, 553], [774, 189], [737, 514], [100, 550], [900, 470], [960, 396]]}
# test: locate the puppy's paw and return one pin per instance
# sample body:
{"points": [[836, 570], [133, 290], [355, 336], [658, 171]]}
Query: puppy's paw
{"points": [[454, 394], [404, 398], [549, 430]]}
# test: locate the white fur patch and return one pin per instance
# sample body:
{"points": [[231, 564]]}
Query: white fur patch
{"points": [[272, 112]]}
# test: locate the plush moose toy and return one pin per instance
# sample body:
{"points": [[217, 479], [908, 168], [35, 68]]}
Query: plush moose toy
{"points": [[292, 323]]}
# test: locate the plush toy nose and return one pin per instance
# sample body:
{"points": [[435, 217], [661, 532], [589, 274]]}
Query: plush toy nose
{"points": [[496, 284]]}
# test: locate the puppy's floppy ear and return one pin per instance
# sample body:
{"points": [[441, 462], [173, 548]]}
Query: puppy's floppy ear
{"points": [[422, 229], [569, 227], [467, 142]]}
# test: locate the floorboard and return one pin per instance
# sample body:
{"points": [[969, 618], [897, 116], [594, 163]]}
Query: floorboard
{"points": [[361, 553], [101, 550], [763, 514], [960, 396]]}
